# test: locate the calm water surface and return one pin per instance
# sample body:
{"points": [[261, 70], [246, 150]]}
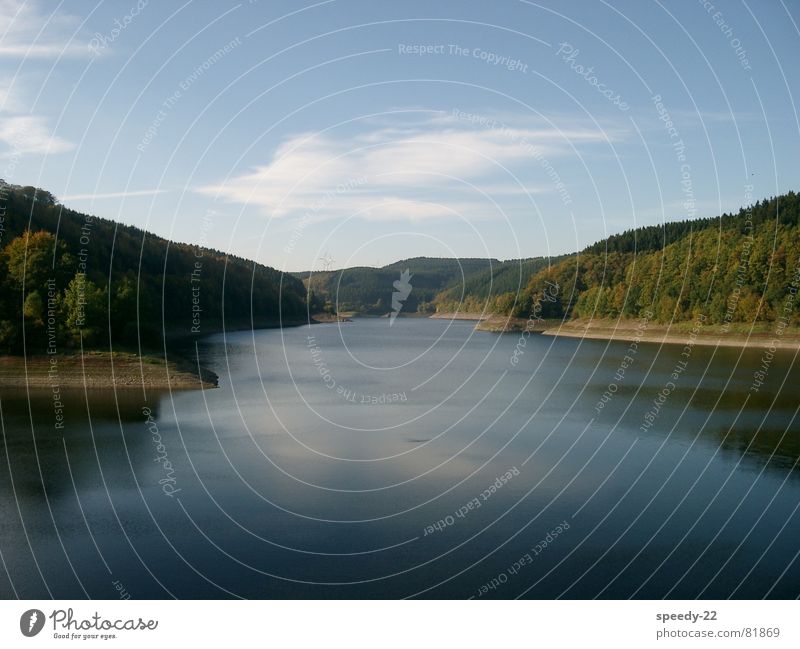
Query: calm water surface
{"points": [[369, 460]]}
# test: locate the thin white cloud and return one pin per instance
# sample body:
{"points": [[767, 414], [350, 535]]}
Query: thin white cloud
{"points": [[392, 172], [30, 134], [9, 97], [37, 51], [26, 31], [138, 192], [21, 132]]}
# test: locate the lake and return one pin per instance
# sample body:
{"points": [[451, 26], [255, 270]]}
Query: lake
{"points": [[413, 459]]}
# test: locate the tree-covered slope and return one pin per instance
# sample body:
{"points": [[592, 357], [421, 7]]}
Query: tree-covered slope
{"points": [[480, 288], [656, 237], [68, 275], [734, 269], [369, 290]]}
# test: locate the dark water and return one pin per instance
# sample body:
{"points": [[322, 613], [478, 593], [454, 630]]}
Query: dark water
{"points": [[284, 483]]}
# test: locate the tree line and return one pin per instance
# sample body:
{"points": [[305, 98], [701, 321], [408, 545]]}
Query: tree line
{"points": [[737, 268], [67, 277]]}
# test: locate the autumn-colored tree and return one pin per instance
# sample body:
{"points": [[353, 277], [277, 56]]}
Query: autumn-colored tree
{"points": [[35, 257]]}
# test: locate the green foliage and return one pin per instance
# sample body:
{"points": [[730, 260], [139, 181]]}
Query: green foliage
{"points": [[8, 336], [369, 290], [736, 268], [33, 258], [443, 285], [781, 210], [738, 271], [83, 308], [483, 288], [116, 280], [149, 280], [33, 309]]}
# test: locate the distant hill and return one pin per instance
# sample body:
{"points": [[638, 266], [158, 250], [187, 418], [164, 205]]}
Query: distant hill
{"points": [[369, 290], [481, 288], [92, 277], [438, 285]]}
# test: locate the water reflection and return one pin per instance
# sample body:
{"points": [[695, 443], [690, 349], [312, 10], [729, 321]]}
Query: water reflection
{"points": [[283, 486]]}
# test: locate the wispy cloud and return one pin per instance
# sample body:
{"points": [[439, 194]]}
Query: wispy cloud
{"points": [[22, 132], [30, 134], [404, 168], [26, 31], [138, 192], [9, 98]]}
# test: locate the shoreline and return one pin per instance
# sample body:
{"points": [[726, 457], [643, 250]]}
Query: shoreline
{"points": [[628, 331], [128, 370], [181, 334], [103, 370], [461, 315], [663, 335], [509, 324], [680, 333], [327, 318]]}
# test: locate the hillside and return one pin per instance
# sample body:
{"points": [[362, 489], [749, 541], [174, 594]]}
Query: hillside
{"points": [[727, 271], [96, 280], [68, 276], [439, 285], [481, 288], [369, 290], [738, 268]]}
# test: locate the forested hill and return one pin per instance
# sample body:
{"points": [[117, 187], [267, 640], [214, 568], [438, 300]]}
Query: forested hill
{"points": [[738, 268], [68, 276], [656, 237], [84, 276], [479, 290], [735, 268], [438, 284], [369, 290]]}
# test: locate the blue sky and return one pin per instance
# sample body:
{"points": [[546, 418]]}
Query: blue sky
{"points": [[365, 132]]}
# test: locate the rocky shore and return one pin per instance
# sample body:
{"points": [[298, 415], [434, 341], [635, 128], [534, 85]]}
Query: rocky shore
{"points": [[93, 370]]}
